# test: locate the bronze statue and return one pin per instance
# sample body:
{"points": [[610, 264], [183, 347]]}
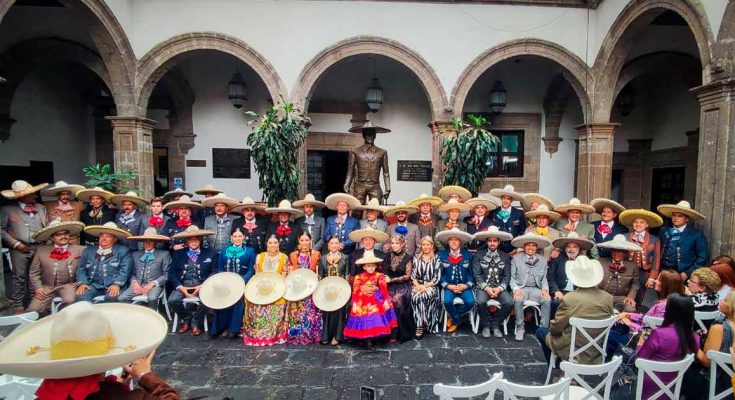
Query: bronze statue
{"points": [[364, 165]]}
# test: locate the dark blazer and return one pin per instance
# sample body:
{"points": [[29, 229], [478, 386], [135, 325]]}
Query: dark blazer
{"points": [[481, 269], [256, 238], [464, 269], [354, 269], [316, 230], [342, 266], [286, 243], [179, 260], [617, 229], [135, 227], [170, 229], [472, 229], [557, 273], [515, 225], [243, 266], [106, 215], [117, 267], [351, 224], [688, 253]]}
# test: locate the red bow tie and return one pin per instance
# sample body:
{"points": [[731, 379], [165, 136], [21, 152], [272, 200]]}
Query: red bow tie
{"points": [[183, 222], [283, 230], [617, 267], [455, 259], [155, 221], [604, 229], [250, 226], [58, 253]]}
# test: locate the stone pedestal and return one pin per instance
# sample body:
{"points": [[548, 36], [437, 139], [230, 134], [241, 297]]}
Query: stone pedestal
{"points": [[594, 160], [133, 148], [716, 173], [439, 130]]}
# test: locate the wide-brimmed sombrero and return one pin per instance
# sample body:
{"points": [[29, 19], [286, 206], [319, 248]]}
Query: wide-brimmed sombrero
{"points": [[425, 198], [492, 231], [192, 231], [531, 237], [265, 288], [173, 193], [573, 237], [222, 290], [583, 272], [542, 209], [332, 293], [530, 198], [369, 259], [129, 196], [284, 206], [476, 201], [333, 199], [21, 188], [453, 204], [81, 340], [599, 203], [359, 234], [455, 232], [85, 194], [309, 199], [368, 125], [300, 284], [682, 207], [507, 190], [183, 201], [73, 227], [150, 234], [575, 204], [209, 202], [620, 242], [447, 191], [372, 204], [61, 186], [108, 227], [400, 206], [628, 216], [207, 189], [246, 203]]}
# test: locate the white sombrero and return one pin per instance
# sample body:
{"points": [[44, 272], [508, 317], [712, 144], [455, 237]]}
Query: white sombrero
{"points": [[573, 237], [370, 259], [192, 231], [542, 209], [359, 234], [85, 194], [246, 203], [628, 216], [265, 288], [81, 340], [493, 231], [476, 201], [73, 227], [284, 206], [108, 227], [183, 201], [575, 204], [600, 203], [129, 196], [682, 207], [425, 198], [530, 198], [332, 293], [173, 193], [150, 234], [222, 290], [453, 204], [583, 272], [309, 199], [21, 188], [531, 237], [400, 206], [62, 186], [334, 198], [209, 202], [619, 242], [455, 232], [508, 190], [447, 191], [208, 188], [300, 284], [373, 204]]}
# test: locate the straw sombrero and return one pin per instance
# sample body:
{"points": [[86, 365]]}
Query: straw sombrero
{"points": [[332, 293], [359, 234], [453, 204], [444, 236], [183, 201], [682, 207], [265, 288], [508, 190], [176, 192], [493, 231], [531, 237], [192, 231], [300, 284], [573, 237], [583, 272], [447, 191], [129, 196], [400, 206], [370, 259], [309, 199], [208, 188], [284, 206], [425, 198], [620, 242], [529, 198], [150, 234], [575, 204], [108, 227], [542, 209], [209, 202], [62, 186], [628, 216], [85, 194], [334, 198], [73, 227], [368, 125], [476, 201], [246, 203], [81, 340], [222, 290], [600, 203], [21, 188], [372, 204]]}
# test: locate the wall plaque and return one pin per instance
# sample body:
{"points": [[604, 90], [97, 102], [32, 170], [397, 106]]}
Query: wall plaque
{"points": [[231, 163], [196, 163], [414, 170]]}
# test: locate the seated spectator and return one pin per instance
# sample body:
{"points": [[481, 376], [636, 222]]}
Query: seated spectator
{"points": [[703, 286], [621, 275], [667, 283], [104, 270], [724, 266], [559, 284], [528, 279], [587, 302]]}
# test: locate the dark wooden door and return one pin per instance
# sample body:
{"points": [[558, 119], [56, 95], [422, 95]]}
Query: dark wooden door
{"points": [[667, 186]]}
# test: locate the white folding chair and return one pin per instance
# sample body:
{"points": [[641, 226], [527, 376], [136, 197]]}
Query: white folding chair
{"points": [[584, 391], [653, 322], [650, 368], [98, 299], [6, 253], [56, 304], [581, 326], [190, 300], [702, 316], [473, 313], [491, 303], [18, 388], [143, 299], [723, 361], [488, 388], [556, 391], [20, 320]]}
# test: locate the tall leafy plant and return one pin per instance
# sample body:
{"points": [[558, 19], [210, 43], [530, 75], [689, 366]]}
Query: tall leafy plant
{"points": [[466, 152], [274, 143], [114, 181]]}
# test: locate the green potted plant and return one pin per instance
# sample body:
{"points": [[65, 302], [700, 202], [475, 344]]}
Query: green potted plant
{"points": [[114, 181], [466, 152], [274, 143]]}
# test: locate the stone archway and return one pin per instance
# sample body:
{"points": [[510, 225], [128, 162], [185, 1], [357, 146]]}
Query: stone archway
{"points": [[314, 69]]}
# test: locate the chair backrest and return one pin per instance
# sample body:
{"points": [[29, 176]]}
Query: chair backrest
{"points": [[576, 371], [20, 320], [653, 322], [723, 361], [702, 316], [599, 342], [447, 392], [650, 368], [554, 391], [19, 390]]}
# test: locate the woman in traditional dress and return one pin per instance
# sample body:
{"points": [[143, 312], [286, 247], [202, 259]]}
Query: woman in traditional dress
{"points": [[371, 314], [237, 258], [398, 268], [304, 319], [334, 263], [425, 299], [266, 325]]}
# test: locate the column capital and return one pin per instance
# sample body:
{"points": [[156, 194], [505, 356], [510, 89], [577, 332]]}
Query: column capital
{"points": [[551, 144], [715, 91], [442, 128], [131, 122], [597, 129]]}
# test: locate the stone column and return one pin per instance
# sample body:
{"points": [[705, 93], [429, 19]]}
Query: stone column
{"points": [[636, 175], [133, 148], [439, 130], [594, 160], [716, 173]]}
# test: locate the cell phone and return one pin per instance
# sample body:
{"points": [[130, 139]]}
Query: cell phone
{"points": [[368, 393]]}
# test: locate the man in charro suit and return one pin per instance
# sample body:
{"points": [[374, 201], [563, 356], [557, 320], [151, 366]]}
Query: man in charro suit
{"points": [[130, 218], [310, 222], [150, 269], [65, 207]]}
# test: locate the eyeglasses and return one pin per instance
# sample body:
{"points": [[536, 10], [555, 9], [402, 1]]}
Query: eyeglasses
{"points": [[692, 281]]}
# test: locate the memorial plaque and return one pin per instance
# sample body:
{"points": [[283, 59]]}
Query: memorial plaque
{"points": [[414, 170], [196, 163], [231, 163]]}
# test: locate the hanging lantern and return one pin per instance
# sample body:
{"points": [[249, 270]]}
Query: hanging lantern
{"points": [[237, 91], [626, 101], [374, 95], [498, 98]]}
